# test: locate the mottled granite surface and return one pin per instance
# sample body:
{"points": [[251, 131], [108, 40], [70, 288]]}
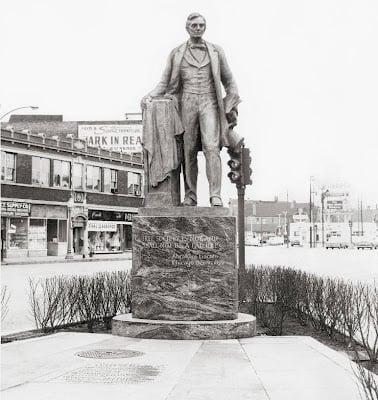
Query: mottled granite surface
{"points": [[185, 211], [242, 327], [184, 268]]}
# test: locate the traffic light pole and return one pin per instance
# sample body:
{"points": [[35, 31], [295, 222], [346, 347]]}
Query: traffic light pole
{"points": [[240, 175], [241, 228]]}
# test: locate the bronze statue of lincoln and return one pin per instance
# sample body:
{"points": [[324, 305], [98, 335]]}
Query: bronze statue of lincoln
{"points": [[194, 75]]}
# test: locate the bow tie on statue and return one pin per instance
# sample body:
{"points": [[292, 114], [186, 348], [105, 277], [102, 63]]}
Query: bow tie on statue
{"points": [[198, 46]]}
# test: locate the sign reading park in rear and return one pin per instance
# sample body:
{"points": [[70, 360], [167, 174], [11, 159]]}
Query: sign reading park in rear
{"points": [[119, 138]]}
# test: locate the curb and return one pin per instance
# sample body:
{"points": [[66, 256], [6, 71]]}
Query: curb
{"points": [[60, 261], [12, 337]]}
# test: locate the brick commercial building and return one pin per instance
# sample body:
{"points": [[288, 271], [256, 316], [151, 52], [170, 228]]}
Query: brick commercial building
{"points": [[55, 187], [264, 218]]}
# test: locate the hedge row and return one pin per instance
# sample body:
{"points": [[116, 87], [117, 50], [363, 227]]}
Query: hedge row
{"points": [[65, 300], [327, 304]]}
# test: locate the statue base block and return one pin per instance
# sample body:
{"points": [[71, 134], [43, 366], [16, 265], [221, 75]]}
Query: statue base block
{"points": [[242, 327], [184, 264]]}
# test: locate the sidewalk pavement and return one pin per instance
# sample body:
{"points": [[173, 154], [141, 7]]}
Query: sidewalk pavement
{"points": [[259, 368], [61, 259]]}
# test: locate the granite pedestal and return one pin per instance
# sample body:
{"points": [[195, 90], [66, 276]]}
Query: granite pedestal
{"points": [[184, 276], [243, 326]]}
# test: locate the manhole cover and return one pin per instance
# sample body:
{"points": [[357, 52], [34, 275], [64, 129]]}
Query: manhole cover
{"points": [[112, 374], [109, 353]]}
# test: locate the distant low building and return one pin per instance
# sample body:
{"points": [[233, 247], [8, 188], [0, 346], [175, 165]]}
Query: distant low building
{"points": [[264, 218]]}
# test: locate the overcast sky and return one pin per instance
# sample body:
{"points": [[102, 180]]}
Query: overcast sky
{"points": [[307, 72]]}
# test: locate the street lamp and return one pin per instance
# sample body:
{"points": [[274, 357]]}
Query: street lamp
{"points": [[70, 204], [323, 195], [350, 228], [310, 211], [18, 108]]}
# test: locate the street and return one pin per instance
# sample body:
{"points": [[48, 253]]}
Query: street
{"points": [[348, 264], [355, 265]]}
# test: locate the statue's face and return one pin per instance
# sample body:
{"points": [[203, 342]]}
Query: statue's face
{"points": [[196, 27]]}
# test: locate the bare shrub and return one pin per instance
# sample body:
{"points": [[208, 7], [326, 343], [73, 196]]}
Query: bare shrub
{"points": [[347, 293], [5, 296], [368, 381], [50, 301], [284, 292], [329, 305], [116, 297], [90, 291], [64, 300], [271, 295], [332, 299], [366, 302]]}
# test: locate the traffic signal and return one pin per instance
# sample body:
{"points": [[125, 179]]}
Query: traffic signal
{"points": [[246, 166], [235, 163]]}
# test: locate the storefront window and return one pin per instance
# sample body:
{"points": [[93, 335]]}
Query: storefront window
{"points": [[134, 183], [41, 171], [61, 174], [110, 180], [78, 173], [8, 166], [37, 234], [18, 233], [93, 178], [106, 242]]}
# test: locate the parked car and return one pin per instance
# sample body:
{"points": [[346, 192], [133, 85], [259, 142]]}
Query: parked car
{"points": [[365, 244], [336, 242], [339, 245], [275, 241], [251, 241], [295, 242]]}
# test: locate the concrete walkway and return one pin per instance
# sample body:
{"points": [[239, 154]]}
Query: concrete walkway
{"points": [[260, 368]]}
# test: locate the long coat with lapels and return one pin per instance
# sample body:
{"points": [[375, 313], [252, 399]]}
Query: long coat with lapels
{"points": [[170, 83]]}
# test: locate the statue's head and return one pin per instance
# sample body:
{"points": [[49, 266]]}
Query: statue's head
{"points": [[196, 25]]}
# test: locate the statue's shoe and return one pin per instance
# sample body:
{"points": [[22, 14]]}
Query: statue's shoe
{"points": [[216, 202], [189, 202]]}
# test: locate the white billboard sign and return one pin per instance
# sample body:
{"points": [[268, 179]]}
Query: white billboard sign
{"points": [[119, 138], [102, 226]]}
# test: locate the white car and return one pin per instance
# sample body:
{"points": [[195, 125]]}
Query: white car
{"points": [[336, 242], [275, 241], [251, 241]]}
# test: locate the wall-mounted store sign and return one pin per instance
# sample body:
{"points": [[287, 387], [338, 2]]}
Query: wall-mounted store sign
{"points": [[105, 215], [15, 209], [102, 226], [119, 138], [129, 216], [334, 204]]}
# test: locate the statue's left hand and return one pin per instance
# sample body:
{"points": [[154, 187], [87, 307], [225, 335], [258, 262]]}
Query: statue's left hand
{"points": [[144, 101], [232, 118]]}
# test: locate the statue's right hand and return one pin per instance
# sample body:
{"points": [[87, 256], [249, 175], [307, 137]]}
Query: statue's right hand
{"points": [[146, 99]]}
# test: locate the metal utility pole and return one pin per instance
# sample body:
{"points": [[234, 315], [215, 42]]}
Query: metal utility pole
{"points": [[286, 231], [362, 221], [323, 195], [310, 212], [241, 227]]}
